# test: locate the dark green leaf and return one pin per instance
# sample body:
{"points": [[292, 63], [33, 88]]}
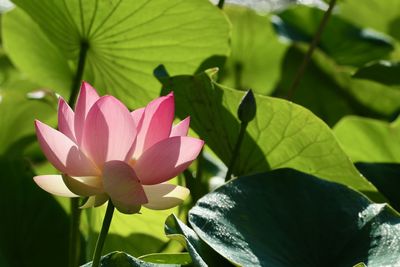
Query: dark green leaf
{"points": [[318, 90], [288, 218], [121, 259], [330, 92], [283, 134], [384, 72], [386, 177], [33, 226], [344, 42]]}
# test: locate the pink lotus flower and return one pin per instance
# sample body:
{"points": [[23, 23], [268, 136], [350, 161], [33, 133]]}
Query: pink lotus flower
{"points": [[103, 151]]}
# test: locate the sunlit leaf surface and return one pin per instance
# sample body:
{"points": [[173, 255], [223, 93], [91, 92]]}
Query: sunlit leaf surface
{"points": [[126, 40], [283, 134]]}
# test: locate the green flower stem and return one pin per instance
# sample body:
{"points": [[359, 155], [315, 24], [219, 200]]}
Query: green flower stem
{"points": [[74, 234], [74, 241], [310, 51], [235, 153], [221, 4], [103, 234], [200, 163]]}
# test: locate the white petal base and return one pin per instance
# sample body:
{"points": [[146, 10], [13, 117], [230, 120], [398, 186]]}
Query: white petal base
{"points": [[164, 196], [53, 184]]}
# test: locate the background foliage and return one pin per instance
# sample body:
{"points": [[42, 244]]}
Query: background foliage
{"points": [[337, 131]]}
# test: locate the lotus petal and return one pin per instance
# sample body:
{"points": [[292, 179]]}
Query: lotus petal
{"points": [[63, 153], [122, 185], [87, 97], [156, 123], [164, 196], [53, 184], [167, 158], [84, 186], [109, 131], [181, 129], [66, 119]]}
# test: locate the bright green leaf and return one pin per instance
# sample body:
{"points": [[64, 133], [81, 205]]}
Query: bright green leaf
{"points": [[383, 16], [33, 53], [256, 52], [288, 218], [17, 123], [283, 134], [127, 40], [369, 140]]}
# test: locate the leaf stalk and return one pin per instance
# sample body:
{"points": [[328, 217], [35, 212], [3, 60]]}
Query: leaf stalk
{"points": [[103, 234], [314, 43], [221, 4], [74, 237], [235, 154]]}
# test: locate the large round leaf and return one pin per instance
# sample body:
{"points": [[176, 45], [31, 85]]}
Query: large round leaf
{"points": [[288, 218], [283, 134], [126, 40], [33, 53]]}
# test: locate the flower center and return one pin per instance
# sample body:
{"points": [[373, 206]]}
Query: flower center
{"points": [[132, 162]]}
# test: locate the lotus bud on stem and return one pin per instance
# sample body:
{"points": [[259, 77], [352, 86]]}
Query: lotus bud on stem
{"points": [[246, 113]]}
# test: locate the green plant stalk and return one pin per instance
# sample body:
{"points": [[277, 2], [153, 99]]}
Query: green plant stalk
{"points": [[200, 163], [310, 51], [236, 150], [103, 234], [221, 3], [75, 86], [74, 237]]}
